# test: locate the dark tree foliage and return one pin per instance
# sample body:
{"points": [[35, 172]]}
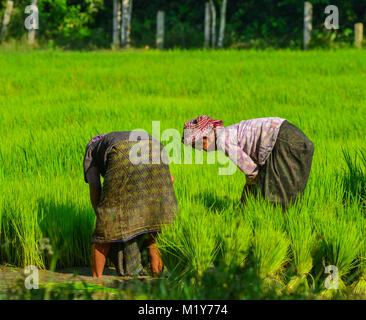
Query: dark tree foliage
{"points": [[249, 23]]}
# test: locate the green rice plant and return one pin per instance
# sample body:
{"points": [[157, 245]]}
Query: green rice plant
{"points": [[26, 223], [270, 251], [303, 242], [354, 179], [172, 250], [359, 286], [234, 236], [258, 211], [20, 231], [341, 244], [186, 246]]}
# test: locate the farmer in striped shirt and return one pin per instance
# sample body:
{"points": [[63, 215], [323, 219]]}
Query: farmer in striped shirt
{"points": [[274, 154]]}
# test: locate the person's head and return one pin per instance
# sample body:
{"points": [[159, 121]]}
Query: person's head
{"points": [[207, 143], [200, 133]]}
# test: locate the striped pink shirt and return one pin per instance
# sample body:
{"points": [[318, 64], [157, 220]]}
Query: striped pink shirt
{"points": [[249, 143]]}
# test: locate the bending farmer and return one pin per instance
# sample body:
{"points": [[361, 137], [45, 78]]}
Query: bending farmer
{"points": [[274, 154], [136, 199]]}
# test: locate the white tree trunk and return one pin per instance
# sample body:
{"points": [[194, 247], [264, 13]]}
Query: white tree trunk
{"points": [[207, 25], [115, 24], [128, 32], [213, 27], [119, 19], [32, 32], [125, 4], [308, 23], [6, 19], [160, 30], [220, 43]]}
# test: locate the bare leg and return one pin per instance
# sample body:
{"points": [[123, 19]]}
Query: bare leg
{"points": [[154, 255], [98, 258]]}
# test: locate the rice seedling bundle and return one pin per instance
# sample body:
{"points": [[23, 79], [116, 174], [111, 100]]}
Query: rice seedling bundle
{"points": [[186, 245], [354, 179], [341, 244], [270, 248], [303, 242], [359, 286], [234, 236]]}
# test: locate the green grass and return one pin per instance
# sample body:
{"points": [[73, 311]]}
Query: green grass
{"points": [[52, 103]]}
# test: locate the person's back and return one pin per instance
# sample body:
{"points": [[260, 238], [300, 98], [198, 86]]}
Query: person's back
{"points": [[256, 137], [136, 199]]}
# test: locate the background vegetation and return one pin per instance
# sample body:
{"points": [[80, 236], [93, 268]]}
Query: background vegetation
{"points": [[250, 23]]}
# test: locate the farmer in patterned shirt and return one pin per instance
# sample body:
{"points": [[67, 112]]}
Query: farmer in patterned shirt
{"points": [[274, 154], [136, 199]]}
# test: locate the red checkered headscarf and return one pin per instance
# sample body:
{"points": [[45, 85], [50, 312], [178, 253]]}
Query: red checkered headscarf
{"points": [[198, 128]]}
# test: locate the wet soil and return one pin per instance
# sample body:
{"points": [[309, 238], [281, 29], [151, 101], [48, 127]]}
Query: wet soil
{"points": [[9, 276]]}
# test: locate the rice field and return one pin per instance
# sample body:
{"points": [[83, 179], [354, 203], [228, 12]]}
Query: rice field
{"points": [[52, 103]]}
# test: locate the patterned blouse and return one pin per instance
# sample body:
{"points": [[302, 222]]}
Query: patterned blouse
{"points": [[249, 143]]}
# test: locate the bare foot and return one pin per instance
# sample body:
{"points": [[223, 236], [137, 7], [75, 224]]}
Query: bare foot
{"points": [[155, 260]]}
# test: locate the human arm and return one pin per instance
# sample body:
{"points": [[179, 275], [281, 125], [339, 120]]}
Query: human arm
{"points": [[93, 178], [243, 161], [228, 141], [95, 192]]}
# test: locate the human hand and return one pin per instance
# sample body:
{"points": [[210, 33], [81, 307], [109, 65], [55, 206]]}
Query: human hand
{"points": [[172, 178], [252, 181]]}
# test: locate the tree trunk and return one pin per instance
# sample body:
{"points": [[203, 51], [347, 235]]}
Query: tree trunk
{"points": [[207, 25], [308, 24], [119, 20], [6, 19], [128, 35], [115, 24], [213, 27], [160, 30], [125, 5], [32, 32], [220, 43]]}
